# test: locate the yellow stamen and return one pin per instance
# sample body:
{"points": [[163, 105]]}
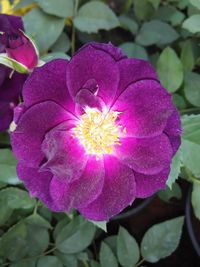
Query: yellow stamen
{"points": [[98, 132]]}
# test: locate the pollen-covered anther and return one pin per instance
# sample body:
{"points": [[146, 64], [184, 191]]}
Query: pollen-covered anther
{"points": [[98, 132]]}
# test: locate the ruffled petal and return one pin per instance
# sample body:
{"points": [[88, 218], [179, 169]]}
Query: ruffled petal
{"points": [[145, 155], [147, 185], [48, 83], [133, 70], [82, 192], [90, 63], [31, 129], [173, 129], [145, 107], [118, 191], [66, 158], [112, 50], [37, 184]]}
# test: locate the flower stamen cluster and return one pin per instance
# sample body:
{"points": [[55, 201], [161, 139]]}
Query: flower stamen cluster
{"points": [[97, 131]]}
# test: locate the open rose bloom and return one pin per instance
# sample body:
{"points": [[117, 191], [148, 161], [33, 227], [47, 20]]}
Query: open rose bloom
{"points": [[95, 133]]}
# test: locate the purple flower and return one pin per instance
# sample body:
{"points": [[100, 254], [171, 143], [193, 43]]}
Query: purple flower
{"points": [[15, 43], [10, 84], [95, 133]]}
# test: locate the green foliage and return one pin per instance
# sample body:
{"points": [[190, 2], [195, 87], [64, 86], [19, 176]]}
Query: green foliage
{"points": [[94, 16], [161, 240], [127, 249], [192, 24], [192, 88], [8, 164], [195, 199], [191, 144], [152, 33], [107, 258], [170, 70], [45, 29], [134, 50]]}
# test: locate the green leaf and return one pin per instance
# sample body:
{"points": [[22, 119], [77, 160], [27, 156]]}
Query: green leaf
{"points": [[5, 212], [195, 3], [169, 14], [127, 248], [44, 28], [143, 9], [195, 199], [107, 258], [60, 8], [161, 240], [94, 16], [102, 225], [49, 261], [13, 243], [187, 55], [25, 263], [17, 198], [67, 259], [179, 101], [36, 219], [167, 194], [192, 24], [170, 70], [175, 169], [8, 164], [59, 226], [78, 229], [191, 143], [55, 55], [111, 241], [62, 44], [134, 50], [155, 3], [192, 88], [128, 23], [94, 264], [22, 4], [152, 33]]}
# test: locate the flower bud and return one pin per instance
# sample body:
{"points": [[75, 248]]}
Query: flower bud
{"points": [[20, 47]]}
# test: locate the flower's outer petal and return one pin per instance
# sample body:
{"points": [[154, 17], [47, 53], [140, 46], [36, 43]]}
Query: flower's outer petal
{"points": [[9, 23], [133, 70], [31, 130], [173, 126], [48, 83], [147, 185], [65, 156], [37, 183], [175, 143], [173, 130], [90, 63], [118, 191], [110, 49], [9, 96], [145, 107], [82, 192], [145, 155]]}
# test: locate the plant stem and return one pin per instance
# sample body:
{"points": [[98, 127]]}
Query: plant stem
{"points": [[189, 110], [85, 264], [73, 38], [139, 263]]}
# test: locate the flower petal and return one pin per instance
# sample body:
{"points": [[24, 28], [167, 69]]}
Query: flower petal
{"points": [[90, 63], [82, 192], [147, 185], [48, 83], [133, 70], [66, 158], [145, 155], [145, 108], [37, 183], [118, 191], [31, 129]]}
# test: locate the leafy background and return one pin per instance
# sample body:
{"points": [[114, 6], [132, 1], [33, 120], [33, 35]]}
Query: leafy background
{"points": [[165, 32]]}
